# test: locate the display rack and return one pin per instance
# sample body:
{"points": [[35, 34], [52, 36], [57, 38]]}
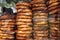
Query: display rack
{"points": [[33, 21]]}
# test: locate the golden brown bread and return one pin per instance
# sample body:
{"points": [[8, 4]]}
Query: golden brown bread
{"points": [[21, 7], [2, 39], [54, 11], [24, 20], [23, 32], [21, 38], [24, 10], [40, 28], [42, 32], [54, 34], [52, 19], [41, 38], [41, 35], [45, 25], [38, 1], [6, 36], [40, 14], [24, 28], [7, 16], [23, 14], [54, 28], [54, 4], [52, 25], [52, 1], [41, 17], [39, 5], [20, 23], [4, 17], [8, 22], [42, 20], [52, 8], [23, 4], [39, 8], [23, 23], [24, 17], [40, 23], [7, 28]]}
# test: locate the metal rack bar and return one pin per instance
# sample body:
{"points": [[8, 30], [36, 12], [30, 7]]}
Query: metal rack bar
{"points": [[48, 28], [48, 21], [32, 25]]}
